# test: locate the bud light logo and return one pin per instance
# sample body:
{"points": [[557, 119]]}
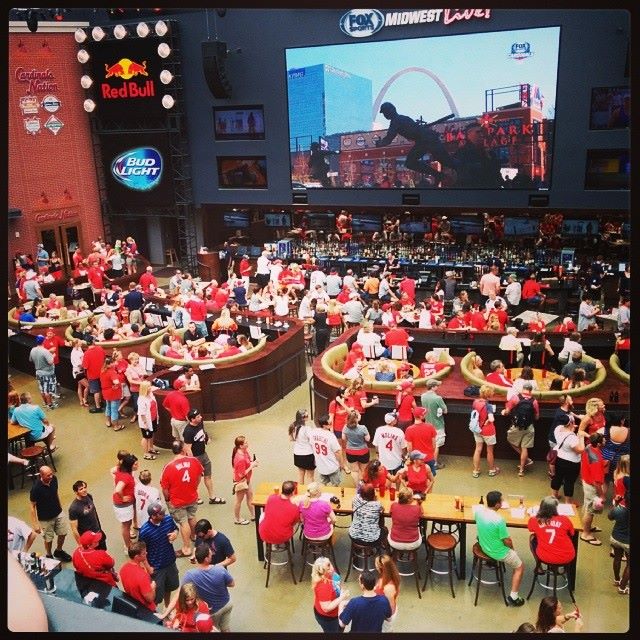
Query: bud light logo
{"points": [[139, 169], [361, 23]]}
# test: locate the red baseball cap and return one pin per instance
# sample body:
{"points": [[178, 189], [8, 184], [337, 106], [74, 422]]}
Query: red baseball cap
{"points": [[406, 384], [89, 537], [419, 412], [178, 383]]}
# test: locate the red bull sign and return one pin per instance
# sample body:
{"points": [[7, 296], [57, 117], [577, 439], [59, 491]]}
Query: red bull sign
{"points": [[127, 69]]}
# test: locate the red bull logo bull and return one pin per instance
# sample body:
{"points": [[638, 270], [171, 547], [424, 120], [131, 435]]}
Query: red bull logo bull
{"points": [[127, 69]]}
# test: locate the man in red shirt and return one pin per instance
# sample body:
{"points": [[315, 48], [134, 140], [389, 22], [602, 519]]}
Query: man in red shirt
{"points": [[198, 311], [92, 362], [111, 386], [91, 562], [280, 516], [477, 321], [177, 404], [52, 342], [245, 271], [532, 290], [136, 580], [500, 313], [221, 297], [421, 436], [179, 482], [458, 321], [231, 349], [592, 473], [396, 336], [497, 375], [147, 279], [408, 285], [96, 276]]}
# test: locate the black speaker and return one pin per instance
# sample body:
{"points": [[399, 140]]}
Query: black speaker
{"points": [[538, 200], [410, 198], [300, 198], [15, 213], [214, 56]]}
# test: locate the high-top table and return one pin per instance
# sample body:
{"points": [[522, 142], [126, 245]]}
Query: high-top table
{"points": [[436, 507]]}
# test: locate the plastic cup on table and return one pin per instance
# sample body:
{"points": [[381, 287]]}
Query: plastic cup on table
{"points": [[383, 490], [392, 493]]}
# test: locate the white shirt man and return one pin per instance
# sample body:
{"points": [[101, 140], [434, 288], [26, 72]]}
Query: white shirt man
{"points": [[490, 303], [513, 292], [263, 263], [304, 310], [317, 277], [369, 338], [20, 536], [107, 320], [327, 452], [174, 281], [319, 294], [145, 495], [334, 284], [349, 281], [390, 442], [275, 271]]}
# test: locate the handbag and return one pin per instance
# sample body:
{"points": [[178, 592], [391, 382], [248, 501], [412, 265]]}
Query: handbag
{"points": [[552, 456], [241, 485]]}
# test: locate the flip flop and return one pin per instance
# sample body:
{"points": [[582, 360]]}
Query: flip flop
{"points": [[593, 541], [217, 500], [181, 554], [241, 522], [596, 529], [120, 428], [149, 456]]}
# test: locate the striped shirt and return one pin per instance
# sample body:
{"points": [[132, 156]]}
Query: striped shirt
{"points": [[366, 519], [160, 552]]}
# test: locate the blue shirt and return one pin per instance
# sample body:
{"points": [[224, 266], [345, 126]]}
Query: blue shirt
{"points": [[30, 416], [160, 552], [366, 614], [211, 585]]}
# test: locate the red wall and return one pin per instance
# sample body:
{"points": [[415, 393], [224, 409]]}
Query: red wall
{"points": [[44, 162]]}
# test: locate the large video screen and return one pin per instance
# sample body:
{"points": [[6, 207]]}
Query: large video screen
{"points": [[471, 225], [607, 169], [248, 172], [610, 108], [320, 221], [413, 114], [521, 227], [579, 227]]}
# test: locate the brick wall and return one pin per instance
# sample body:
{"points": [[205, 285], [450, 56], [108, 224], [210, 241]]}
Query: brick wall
{"points": [[44, 162]]}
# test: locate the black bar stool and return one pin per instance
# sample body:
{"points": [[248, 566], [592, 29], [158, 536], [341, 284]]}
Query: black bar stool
{"points": [[364, 552], [481, 559], [408, 556], [549, 571], [285, 547], [36, 457], [317, 548]]}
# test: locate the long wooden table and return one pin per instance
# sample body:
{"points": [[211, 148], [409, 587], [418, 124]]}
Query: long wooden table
{"points": [[436, 507]]}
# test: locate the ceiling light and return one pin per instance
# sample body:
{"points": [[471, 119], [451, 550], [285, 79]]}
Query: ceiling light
{"points": [[86, 82], [80, 35], [164, 50], [89, 105], [142, 29], [167, 101], [119, 31], [161, 28], [97, 33], [83, 56], [165, 76]]}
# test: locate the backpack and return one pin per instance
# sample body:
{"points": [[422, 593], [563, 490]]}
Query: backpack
{"points": [[474, 421], [523, 413]]}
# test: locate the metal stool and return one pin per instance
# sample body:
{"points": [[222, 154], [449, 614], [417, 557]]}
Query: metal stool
{"points": [[408, 556], [480, 558], [48, 452], [548, 570], [32, 454], [452, 528], [364, 552], [278, 548], [441, 543], [317, 548]]}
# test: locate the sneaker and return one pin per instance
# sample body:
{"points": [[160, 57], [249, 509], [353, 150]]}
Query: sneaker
{"points": [[515, 602], [475, 474], [440, 465], [53, 405], [494, 472], [200, 501], [61, 554], [95, 410]]}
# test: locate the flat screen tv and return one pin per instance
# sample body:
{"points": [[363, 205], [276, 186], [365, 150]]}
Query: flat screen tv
{"points": [[415, 226], [521, 227], [247, 172], [239, 123], [335, 92], [607, 169], [277, 219], [320, 221], [236, 219], [366, 222], [610, 108], [579, 227], [466, 226]]}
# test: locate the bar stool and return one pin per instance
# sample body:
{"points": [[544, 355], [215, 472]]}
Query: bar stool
{"points": [[408, 556], [285, 547], [32, 454], [443, 543], [317, 548], [452, 528], [364, 552], [548, 570], [480, 558], [48, 452]]}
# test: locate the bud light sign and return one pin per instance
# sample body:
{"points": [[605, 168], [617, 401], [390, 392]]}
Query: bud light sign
{"points": [[139, 169]]}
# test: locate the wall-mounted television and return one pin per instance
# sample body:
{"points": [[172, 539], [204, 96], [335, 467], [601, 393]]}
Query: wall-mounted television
{"points": [[336, 92], [247, 172], [579, 227], [607, 169], [319, 221], [236, 219], [366, 222], [277, 220], [610, 108], [415, 226], [521, 226], [244, 122], [472, 225]]}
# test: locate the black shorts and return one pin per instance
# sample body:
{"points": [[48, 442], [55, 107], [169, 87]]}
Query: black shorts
{"points": [[363, 458], [308, 462]]}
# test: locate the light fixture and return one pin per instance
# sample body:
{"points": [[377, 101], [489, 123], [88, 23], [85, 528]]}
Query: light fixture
{"points": [[80, 35], [97, 33], [58, 14], [161, 28], [142, 29], [83, 56], [119, 31], [89, 105], [86, 82], [164, 50], [167, 101], [165, 76]]}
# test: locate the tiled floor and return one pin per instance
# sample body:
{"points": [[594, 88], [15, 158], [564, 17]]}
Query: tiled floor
{"points": [[88, 449]]}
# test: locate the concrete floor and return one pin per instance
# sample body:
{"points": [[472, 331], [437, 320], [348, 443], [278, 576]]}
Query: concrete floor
{"points": [[87, 450]]}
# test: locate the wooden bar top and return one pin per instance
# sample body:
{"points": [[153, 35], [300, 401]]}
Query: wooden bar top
{"points": [[16, 431]]}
